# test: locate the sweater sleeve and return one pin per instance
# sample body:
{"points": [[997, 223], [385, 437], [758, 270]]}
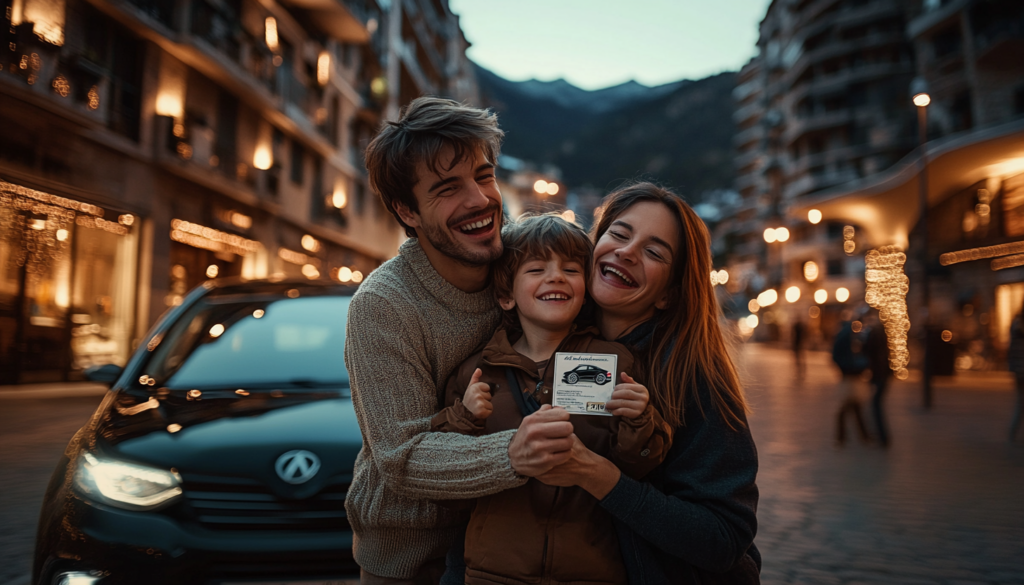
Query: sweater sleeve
{"points": [[705, 512], [394, 397]]}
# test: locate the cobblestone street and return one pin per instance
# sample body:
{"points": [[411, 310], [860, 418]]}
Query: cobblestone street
{"points": [[943, 505]]}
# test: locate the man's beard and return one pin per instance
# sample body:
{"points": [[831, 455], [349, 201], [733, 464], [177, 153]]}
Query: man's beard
{"points": [[442, 241]]}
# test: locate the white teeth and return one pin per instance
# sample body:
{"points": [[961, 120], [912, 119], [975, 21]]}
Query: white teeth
{"points": [[477, 224], [555, 297], [619, 274]]}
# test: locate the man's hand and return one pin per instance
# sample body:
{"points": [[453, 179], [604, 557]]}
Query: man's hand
{"points": [[478, 397], [629, 399], [544, 440], [584, 468]]}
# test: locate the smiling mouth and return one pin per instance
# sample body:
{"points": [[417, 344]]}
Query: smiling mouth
{"points": [[609, 270], [556, 296], [477, 227]]}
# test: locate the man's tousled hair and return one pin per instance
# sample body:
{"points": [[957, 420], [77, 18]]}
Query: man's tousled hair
{"points": [[424, 129], [533, 237]]}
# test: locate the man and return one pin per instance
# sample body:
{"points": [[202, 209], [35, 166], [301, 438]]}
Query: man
{"points": [[413, 321]]}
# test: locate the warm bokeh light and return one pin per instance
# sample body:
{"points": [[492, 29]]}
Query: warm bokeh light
{"points": [[212, 271], [810, 271], [793, 294], [310, 271], [217, 330], [272, 43], [769, 235], [541, 186], [781, 234], [849, 247], [310, 244], [752, 321], [339, 199], [842, 294], [723, 276], [258, 313], [323, 68], [767, 298], [922, 100], [814, 216], [357, 276], [552, 189], [820, 296], [344, 274], [947, 336], [263, 159], [814, 312], [752, 306], [62, 235]]}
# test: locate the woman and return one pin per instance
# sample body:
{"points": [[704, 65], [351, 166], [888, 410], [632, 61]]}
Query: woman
{"points": [[692, 520]]}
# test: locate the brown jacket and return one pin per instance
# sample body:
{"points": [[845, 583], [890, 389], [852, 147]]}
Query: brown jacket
{"points": [[538, 533]]}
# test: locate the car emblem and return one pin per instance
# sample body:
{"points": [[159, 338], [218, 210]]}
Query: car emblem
{"points": [[297, 466]]}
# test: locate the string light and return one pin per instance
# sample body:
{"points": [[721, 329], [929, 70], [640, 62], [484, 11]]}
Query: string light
{"points": [[849, 246], [886, 290], [206, 238], [981, 253]]}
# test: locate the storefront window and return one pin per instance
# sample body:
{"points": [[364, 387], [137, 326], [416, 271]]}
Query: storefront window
{"points": [[103, 296], [67, 282]]}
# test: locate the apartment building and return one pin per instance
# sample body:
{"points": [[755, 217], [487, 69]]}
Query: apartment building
{"points": [[148, 145], [968, 54], [822, 104]]}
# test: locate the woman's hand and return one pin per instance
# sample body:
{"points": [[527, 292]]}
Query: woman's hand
{"points": [[586, 469], [478, 397], [629, 399]]}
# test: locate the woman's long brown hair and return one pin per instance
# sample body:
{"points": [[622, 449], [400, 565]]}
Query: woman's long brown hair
{"points": [[688, 331]]}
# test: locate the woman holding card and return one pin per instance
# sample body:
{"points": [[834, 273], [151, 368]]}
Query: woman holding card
{"points": [[691, 520]]}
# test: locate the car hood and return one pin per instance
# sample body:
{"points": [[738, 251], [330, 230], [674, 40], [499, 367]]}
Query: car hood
{"points": [[237, 437]]}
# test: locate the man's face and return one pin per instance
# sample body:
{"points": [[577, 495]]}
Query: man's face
{"points": [[459, 209]]}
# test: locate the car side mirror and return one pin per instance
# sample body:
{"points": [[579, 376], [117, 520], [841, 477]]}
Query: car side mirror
{"points": [[107, 373]]}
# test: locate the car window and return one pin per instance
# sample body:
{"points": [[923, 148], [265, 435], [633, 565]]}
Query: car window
{"points": [[255, 342]]}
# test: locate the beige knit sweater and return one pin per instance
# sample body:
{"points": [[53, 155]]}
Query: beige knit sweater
{"points": [[408, 329]]}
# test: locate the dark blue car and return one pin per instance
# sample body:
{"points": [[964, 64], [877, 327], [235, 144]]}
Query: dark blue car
{"points": [[587, 373], [222, 452]]}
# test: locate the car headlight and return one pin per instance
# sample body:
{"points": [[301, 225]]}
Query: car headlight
{"points": [[126, 485]]}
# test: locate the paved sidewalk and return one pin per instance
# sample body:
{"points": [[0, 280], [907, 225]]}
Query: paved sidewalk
{"points": [[52, 390], [944, 505]]}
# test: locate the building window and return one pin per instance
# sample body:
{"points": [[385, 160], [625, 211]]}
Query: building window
{"points": [[296, 162]]}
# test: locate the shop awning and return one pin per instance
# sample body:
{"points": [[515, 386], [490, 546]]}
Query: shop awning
{"points": [[885, 206]]}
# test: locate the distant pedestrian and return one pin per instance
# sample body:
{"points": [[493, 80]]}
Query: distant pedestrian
{"points": [[876, 348], [1015, 357], [797, 339], [847, 354]]}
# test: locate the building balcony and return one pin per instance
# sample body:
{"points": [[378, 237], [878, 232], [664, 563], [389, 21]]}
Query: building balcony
{"points": [[841, 80], [747, 158], [840, 48], [803, 125], [746, 137], [935, 18], [745, 113], [813, 182], [348, 20], [851, 16]]}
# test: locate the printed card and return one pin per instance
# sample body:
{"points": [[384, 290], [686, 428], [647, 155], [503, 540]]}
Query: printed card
{"points": [[584, 381]]}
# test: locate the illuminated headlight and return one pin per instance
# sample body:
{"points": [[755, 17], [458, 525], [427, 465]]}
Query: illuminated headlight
{"points": [[126, 485]]}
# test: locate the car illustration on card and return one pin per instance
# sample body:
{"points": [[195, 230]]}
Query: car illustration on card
{"points": [[587, 373], [581, 382]]}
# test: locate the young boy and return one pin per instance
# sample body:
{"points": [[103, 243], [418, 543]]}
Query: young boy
{"points": [[539, 533]]}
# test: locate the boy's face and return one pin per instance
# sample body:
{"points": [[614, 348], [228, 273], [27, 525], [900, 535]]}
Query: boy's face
{"points": [[547, 293], [459, 209]]}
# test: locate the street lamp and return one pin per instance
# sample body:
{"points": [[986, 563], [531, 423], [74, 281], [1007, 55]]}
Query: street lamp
{"points": [[921, 98]]}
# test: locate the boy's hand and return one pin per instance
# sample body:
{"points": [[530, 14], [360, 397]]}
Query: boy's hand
{"points": [[629, 399], [478, 397]]}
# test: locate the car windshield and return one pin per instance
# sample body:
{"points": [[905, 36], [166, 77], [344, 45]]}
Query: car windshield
{"points": [[254, 341]]}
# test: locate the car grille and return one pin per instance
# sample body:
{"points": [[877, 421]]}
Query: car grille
{"points": [[233, 504]]}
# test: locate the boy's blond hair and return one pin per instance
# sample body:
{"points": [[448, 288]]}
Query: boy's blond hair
{"points": [[537, 237]]}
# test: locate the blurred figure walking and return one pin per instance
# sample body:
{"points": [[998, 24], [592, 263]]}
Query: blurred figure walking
{"points": [[797, 337], [876, 348], [1015, 357], [847, 354]]}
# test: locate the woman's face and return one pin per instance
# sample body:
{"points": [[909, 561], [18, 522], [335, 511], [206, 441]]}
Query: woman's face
{"points": [[633, 261]]}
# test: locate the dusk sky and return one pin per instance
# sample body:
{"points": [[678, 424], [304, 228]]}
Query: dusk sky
{"points": [[599, 43]]}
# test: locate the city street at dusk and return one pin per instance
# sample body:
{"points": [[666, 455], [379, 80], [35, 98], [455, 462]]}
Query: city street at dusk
{"points": [[941, 506]]}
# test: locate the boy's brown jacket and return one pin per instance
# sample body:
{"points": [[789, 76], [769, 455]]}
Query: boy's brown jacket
{"points": [[538, 533]]}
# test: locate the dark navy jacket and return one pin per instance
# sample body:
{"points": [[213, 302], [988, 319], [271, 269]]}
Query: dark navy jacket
{"points": [[693, 519]]}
